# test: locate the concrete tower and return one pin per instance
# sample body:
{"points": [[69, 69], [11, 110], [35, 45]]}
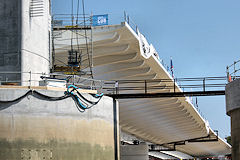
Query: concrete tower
{"points": [[25, 29], [233, 110]]}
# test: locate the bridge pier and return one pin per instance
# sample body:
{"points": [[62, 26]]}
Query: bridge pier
{"points": [[134, 152], [233, 110], [37, 128]]}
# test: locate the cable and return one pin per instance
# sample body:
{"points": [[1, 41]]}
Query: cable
{"points": [[50, 98], [79, 104], [34, 93], [86, 40], [17, 99], [99, 96], [77, 12], [75, 89]]}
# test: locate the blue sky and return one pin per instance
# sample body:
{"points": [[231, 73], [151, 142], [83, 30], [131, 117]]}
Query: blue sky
{"points": [[202, 36]]}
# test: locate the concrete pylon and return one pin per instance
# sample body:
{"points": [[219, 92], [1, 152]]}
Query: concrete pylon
{"points": [[25, 43], [233, 110]]}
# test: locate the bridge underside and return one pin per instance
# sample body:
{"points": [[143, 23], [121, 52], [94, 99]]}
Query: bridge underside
{"points": [[121, 53]]}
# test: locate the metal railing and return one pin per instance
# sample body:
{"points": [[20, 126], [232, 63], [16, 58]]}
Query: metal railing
{"points": [[202, 84], [71, 20], [135, 28], [232, 70], [130, 22], [33, 79], [177, 85], [120, 86]]}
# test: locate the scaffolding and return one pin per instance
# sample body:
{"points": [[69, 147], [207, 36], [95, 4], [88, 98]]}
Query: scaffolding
{"points": [[75, 31]]}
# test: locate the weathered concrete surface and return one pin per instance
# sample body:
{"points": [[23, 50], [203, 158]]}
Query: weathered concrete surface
{"points": [[36, 41], [134, 152], [10, 36], [39, 129], [24, 40], [233, 110], [233, 96], [235, 134]]}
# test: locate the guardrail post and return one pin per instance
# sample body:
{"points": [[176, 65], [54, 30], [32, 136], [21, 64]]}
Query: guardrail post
{"points": [[145, 86], [30, 78], [73, 79], [92, 84], [174, 86], [203, 84], [101, 86], [116, 87], [234, 67], [227, 70]]}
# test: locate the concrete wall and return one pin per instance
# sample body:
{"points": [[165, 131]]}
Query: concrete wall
{"points": [[34, 128], [233, 110], [134, 152], [24, 39]]}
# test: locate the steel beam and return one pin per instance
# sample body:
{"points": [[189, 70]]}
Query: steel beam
{"points": [[168, 94]]}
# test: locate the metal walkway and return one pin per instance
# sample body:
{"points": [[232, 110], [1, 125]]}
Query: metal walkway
{"points": [[204, 86]]}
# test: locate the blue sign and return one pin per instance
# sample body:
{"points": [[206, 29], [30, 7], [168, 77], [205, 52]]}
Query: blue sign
{"points": [[100, 20]]}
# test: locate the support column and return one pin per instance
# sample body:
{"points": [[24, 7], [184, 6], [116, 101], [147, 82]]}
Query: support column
{"points": [[134, 152], [233, 110]]}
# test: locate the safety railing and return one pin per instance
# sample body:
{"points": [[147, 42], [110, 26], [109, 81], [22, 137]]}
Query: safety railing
{"points": [[173, 85], [130, 22], [134, 26], [71, 20], [119, 86], [233, 70], [34, 79], [169, 86]]}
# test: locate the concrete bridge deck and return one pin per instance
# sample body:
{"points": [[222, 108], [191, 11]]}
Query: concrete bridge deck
{"points": [[119, 52]]}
